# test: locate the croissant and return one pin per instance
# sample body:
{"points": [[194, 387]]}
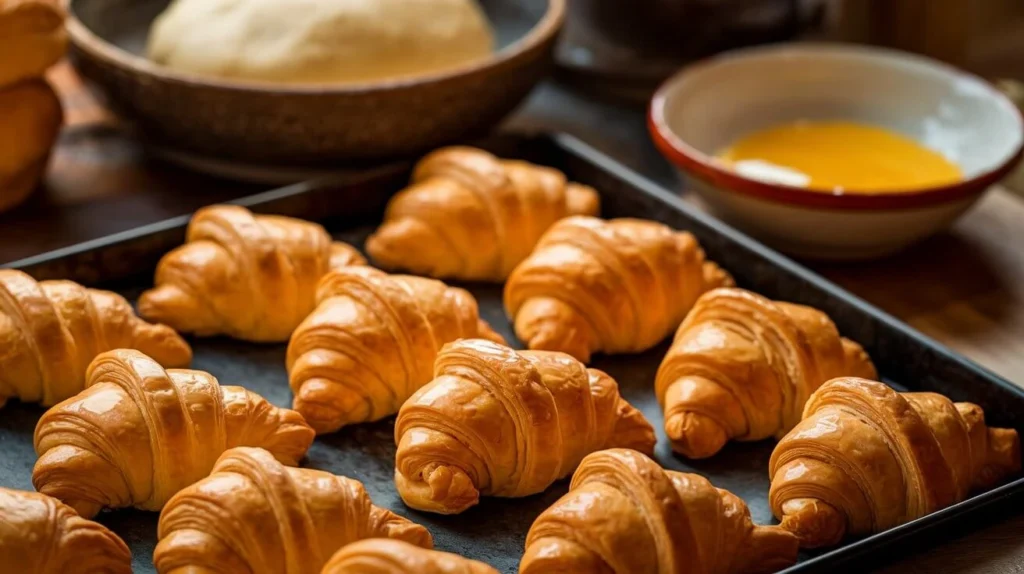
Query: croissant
{"points": [[254, 515], [41, 535], [371, 343], [51, 330], [251, 277], [866, 458], [137, 434], [32, 38], [616, 286], [624, 514], [30, 120], [500, 422], [388, 556], [469, 215], [741, 367]]}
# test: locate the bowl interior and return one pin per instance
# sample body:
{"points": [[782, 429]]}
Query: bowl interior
{"points": [[125, 23], [712, 104]]}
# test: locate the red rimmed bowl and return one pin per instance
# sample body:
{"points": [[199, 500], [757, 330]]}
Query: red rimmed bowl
{"points": [[709, 105]]}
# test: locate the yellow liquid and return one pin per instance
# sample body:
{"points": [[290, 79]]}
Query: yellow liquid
{"points": [[840, 156]]}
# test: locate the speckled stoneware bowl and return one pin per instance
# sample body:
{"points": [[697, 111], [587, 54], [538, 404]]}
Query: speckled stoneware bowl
{"points": [[260, 122]]}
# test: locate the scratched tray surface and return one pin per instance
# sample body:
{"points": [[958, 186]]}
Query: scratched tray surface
{"points": [[495, 530]]}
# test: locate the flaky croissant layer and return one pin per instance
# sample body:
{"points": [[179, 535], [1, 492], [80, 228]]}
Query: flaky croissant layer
{"points": [[624, 514], [389, 556], [252, 514], [51, 330], [251, 277], [618, 286], [41, 535], [742, 367], [500, 422], [371, 343], [471, 216], [137, 434], [866, 458]]}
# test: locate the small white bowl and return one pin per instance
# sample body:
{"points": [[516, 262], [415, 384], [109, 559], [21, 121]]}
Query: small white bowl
{"points": [[707, 106]]}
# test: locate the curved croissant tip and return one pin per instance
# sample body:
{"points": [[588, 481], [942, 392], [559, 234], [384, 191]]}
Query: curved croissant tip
{"points": [[815, 523], [442, 489], [695, 435], [548, 336], [582, 200], [163, 345], [771, 549]]}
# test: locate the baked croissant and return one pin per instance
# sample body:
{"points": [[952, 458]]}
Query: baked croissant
{"points": [[51, 330], [617, 286], [866, 458], [624, 514], [472, 216], [30, 121], [500, 422], [387, 556], [32, 38], [137, 434], [371, 342], [255, 515], [251, 277], [742, 366], [41, 535]]}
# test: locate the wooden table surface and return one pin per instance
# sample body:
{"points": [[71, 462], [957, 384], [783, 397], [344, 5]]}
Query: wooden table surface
{"points": [[965, 287]]}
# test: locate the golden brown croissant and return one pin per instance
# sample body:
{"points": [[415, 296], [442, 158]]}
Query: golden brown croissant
{"points": [[32, 38], [30, 120], [137, 434], [742, 366], [617, 286], [624, 514], [866, 458], [387, 556], [500, 422], [254, 515], [251, 277], [51, 330], [371, 343], [472, 216], [41, 535]]}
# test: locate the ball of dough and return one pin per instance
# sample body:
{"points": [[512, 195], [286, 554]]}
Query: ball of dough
{"points": [[319, 41], [30, 120]]}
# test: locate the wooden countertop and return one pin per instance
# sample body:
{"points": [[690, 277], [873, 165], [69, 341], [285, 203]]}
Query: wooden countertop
{"points": [[965, 287]]}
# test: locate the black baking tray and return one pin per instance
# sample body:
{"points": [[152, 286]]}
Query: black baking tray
{"points": [[495, 530]]}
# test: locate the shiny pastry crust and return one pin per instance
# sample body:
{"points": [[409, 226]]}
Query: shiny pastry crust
{"points": [[371, 343], [741, 367], [251, 277], [388, 556], [41, 535], [618, 286], [471, 216], [500, 422], [137, 434], [624, 514], [51, 330], [255, 515], [866, 458]]}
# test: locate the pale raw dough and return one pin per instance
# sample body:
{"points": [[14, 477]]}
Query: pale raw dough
{"points": [[319, 41]]}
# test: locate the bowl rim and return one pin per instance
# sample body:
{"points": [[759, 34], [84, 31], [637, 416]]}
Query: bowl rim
{"points": [[84, 38], [706, 168]]}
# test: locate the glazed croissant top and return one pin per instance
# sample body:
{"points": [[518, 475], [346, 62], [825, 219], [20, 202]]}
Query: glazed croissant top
{"points": [[505, 423], [137, 434], [742, 366], [616, 286], [371, 342], [51, 330], [389, 556], [41, 535], [32, 38], [472, 216], [251, 277], [866, 458], [255, 515], [624, 514]]}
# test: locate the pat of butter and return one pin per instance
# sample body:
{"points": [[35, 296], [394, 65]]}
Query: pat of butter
{"points": [[770, 173]]}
